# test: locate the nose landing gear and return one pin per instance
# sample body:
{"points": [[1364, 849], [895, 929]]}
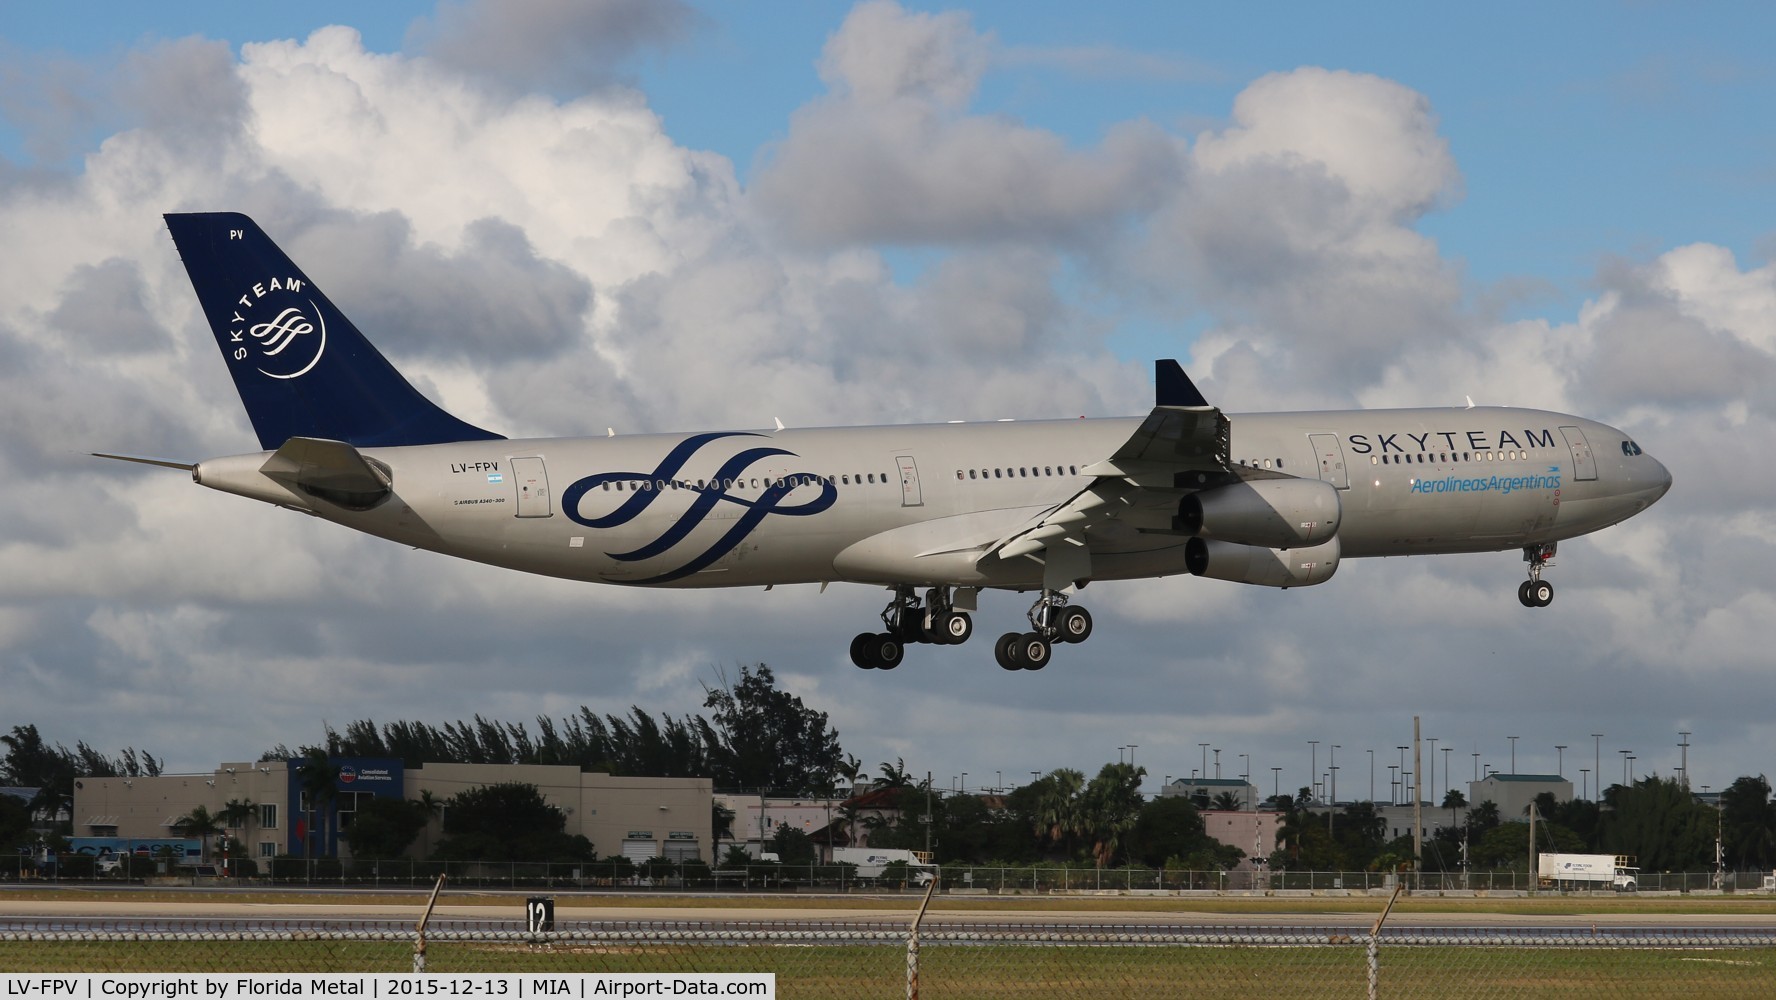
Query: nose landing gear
{"points": [[1536, 592]]}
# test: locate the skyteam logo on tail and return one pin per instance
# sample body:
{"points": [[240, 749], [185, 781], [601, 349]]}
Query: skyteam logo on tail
{"points": [[281, 333]]}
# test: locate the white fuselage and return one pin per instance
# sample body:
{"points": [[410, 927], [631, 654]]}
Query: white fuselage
{"points": [[918, 504]]}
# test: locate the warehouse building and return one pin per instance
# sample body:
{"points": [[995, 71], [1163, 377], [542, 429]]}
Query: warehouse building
{"points": [[639, 818]]}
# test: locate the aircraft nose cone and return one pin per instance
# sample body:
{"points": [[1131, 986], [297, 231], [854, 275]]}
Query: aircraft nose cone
{"points": [[1661, 480]]}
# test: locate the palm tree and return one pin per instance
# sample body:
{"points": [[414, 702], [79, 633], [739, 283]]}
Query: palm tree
{"points": [[895, 775], [203, 825], [1452, 801], [237, 814], [320, 786], [1226, 802], [1058, 808], [431, 807]]}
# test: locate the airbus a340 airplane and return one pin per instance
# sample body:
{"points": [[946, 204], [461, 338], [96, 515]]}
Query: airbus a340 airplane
{"points": [[935, 512]]}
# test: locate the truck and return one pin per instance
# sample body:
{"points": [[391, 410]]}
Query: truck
{"points": [[1595, 871], [871, 862]]}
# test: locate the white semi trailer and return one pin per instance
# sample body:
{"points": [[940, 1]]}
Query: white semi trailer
{"points": [[1596, 871], [872, 861]]}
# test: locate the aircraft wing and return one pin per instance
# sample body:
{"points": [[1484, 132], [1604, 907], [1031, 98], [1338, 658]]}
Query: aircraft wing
{"points": [[1181, 446]]}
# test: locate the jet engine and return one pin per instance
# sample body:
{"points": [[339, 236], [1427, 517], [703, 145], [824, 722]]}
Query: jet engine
{"points": [[1264, 567], [1270, 513]]}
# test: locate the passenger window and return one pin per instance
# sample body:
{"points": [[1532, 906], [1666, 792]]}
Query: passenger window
{"points": [[1048, 470]]}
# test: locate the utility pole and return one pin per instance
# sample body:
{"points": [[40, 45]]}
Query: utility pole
{"points": [[1685, 766]]}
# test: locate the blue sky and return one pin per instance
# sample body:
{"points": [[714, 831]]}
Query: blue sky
{"points": [[991, 209], [1582, 129]]}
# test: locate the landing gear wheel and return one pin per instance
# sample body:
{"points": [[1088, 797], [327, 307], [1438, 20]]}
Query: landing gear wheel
{"points": [[1005, 651], [860, 650], [877, 651], [1540, 593], [954, 628], [1523, 594], [887, 652], [1032, 651], [1074, 624]]}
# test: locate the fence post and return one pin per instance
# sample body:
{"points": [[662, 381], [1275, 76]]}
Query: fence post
{"points": [[1375, 941], [912, 974], [419, 947]]}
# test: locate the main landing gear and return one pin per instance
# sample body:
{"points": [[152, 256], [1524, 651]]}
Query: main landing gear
{"points": [[1051, 621], [910, 620], [1536, 592]]}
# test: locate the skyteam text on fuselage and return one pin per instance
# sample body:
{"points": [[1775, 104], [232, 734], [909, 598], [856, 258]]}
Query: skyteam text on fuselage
{"points": [[935, 513]]}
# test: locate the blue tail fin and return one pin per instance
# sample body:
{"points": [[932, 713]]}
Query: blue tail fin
{"points": [[302, 368]]}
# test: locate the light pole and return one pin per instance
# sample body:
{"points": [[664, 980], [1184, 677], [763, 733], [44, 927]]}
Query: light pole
{"points": [[1205, 770], [1684, 745], [1560, 759], [1313, 770], [1631, 760], [1513, 740], [1597, 762], [1446, 778], [1371, 777], [1433, 743], [1132, 748], [1476, 765], [1217, 763], [1276, 780], [1403, 792], [1393, 784], [1625, 759], [1246, 792], [1584, 782]]}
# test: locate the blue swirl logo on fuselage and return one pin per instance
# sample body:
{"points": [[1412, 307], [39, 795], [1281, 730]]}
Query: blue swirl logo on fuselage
{"points": [[708, 496]]}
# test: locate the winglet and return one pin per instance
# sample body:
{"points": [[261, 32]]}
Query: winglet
{"points": [[1172, 387]]}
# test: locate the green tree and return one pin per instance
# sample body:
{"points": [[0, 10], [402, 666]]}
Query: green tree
{"points": [[1059, 815], [1226, 802], [1657, 821], [510, 821], [792, 845], [1168, 827], [1748, 824], [318, 777], [203, 825], [760, 737], [385, 828], [15, 824], [1109, 807]]}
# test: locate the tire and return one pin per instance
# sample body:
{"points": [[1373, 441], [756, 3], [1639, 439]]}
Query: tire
{"points": [[1033, 651], [1005, 651], [1541, 592], [1075, 625], [860, 650], [1523, 594], [887, 652], [955, 628]]}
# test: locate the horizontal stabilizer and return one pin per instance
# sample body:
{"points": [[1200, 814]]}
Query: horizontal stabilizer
{"points": [[329, 470]]}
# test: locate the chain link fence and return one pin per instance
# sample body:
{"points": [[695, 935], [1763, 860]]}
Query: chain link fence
{"points": [[871, 959], [661, 873]]}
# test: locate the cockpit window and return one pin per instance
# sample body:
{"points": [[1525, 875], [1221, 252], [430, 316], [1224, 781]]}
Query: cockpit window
{"points": [[1630, 448]]}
